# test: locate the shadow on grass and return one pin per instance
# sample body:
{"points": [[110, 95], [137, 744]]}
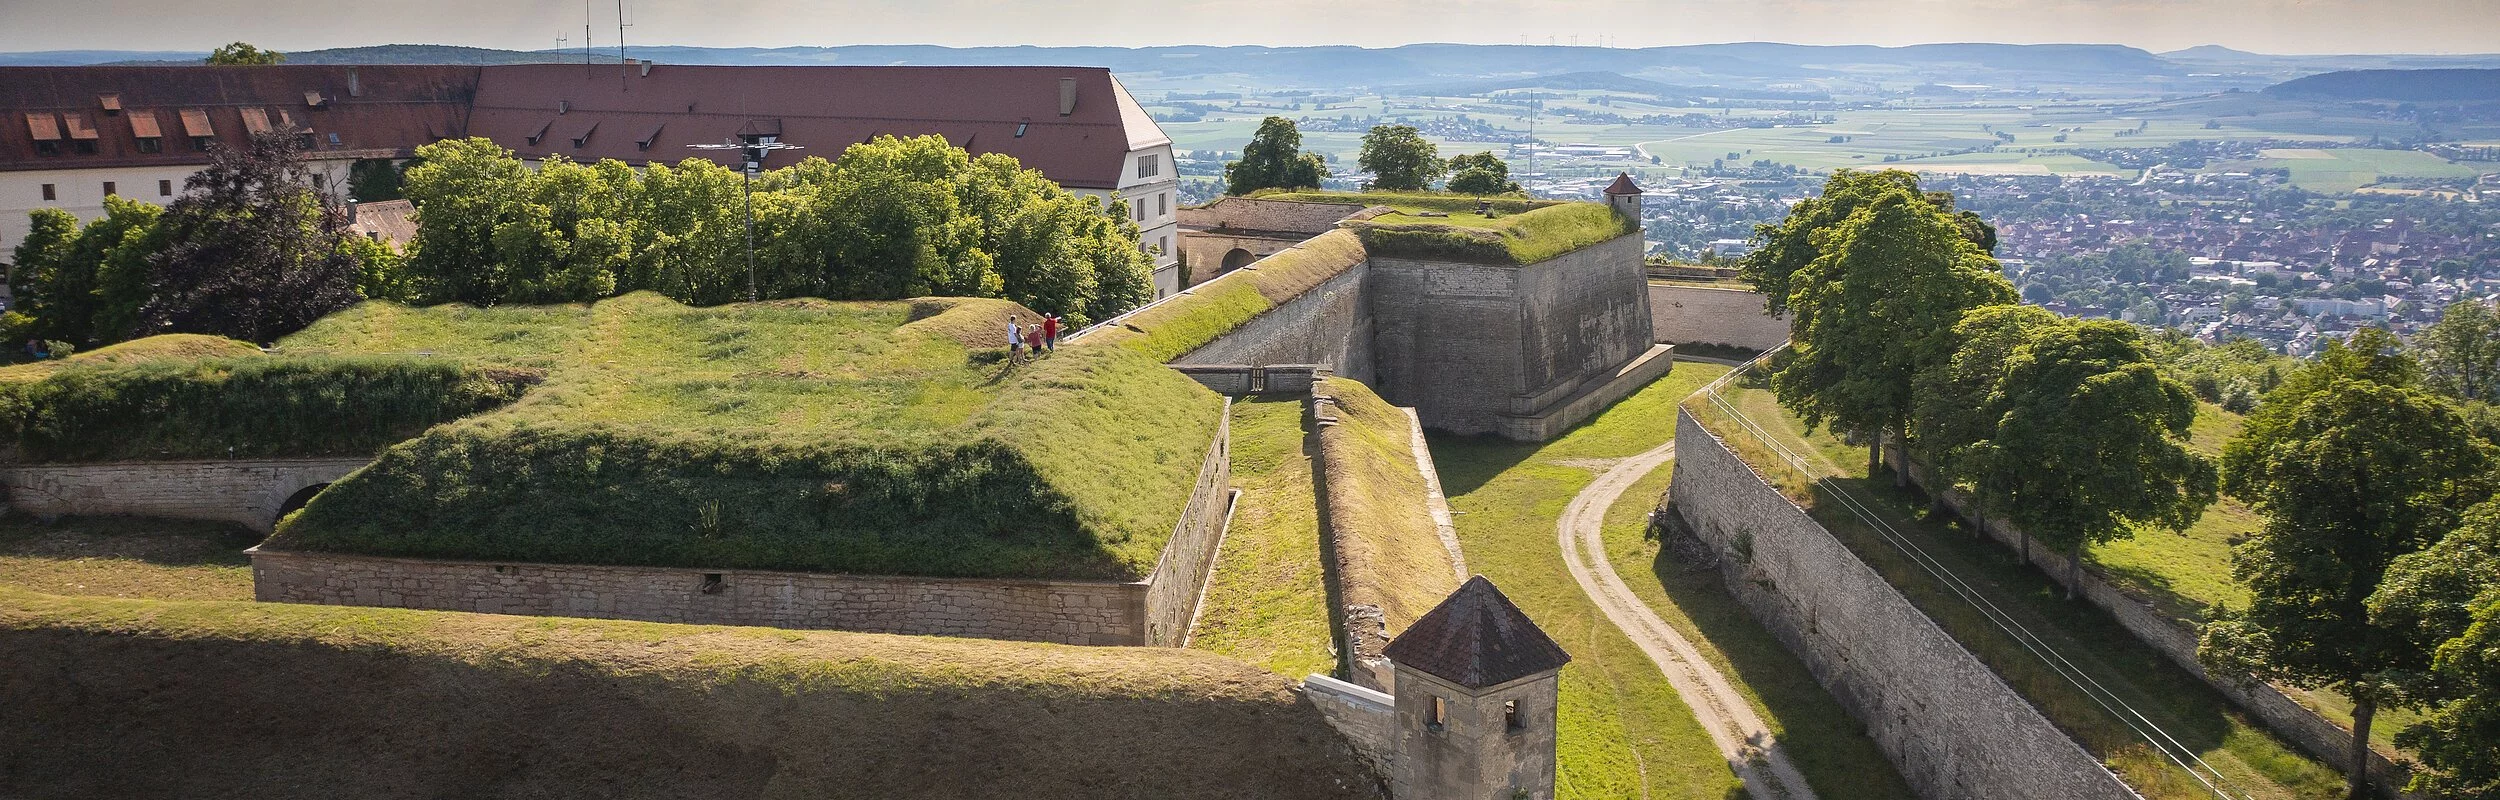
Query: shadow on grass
{"points": [[1466, 463], [162, 542]]}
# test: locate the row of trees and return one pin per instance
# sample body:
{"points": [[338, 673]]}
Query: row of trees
{"points": [[1399, 158], [251, 251], [2377, 572]]}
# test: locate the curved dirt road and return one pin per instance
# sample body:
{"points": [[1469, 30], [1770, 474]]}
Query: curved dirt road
{"points": [[1739, 733]]}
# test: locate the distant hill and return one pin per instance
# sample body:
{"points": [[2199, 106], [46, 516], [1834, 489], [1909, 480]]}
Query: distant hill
{"points": [[428, 54], [1607, 82], [2406, 85], [2215, 52]]}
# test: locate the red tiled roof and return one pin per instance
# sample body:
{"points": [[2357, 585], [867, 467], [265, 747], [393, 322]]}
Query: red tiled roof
{"points": [[143, 124], [1476, 639], [1623, 185], [400, 107], [43, 126]]}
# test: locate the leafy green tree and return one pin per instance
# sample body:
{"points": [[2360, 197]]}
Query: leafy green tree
{"points": [[2089, 442], [1274, 160], [244, 54], [120, 246], [565, 235], [692, 243], [1874, 309], [1950, 411], [2350, 474], [252, 252], [1782, 250], [53, 290], [1480, 174], [460, 191], [2446, 600], [375, 180], [1400, 159], [2461, 352]]}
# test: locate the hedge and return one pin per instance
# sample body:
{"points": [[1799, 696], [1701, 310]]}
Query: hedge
{"points": [[244, 407]]}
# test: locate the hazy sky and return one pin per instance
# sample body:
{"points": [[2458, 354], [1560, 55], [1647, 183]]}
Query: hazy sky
{"points": [[2274, 26]]}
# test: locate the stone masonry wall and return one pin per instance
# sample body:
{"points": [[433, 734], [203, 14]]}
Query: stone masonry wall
{"points": [[1364, 715], [1584, 313], [1069, 612], [1449, 340], [1173, 588], [2175, 639], [1330, 325], [248, 493], [1697, 315], [1954, 729]]}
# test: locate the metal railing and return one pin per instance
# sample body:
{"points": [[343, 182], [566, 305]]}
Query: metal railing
{"points": [[1818, 479]]}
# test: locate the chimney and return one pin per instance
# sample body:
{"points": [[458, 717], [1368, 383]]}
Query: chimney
{"points": [[646, 68], [354, 89], [1067, 96]]}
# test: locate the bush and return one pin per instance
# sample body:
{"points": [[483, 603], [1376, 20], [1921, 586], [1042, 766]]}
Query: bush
{"points": [[244, 407]]}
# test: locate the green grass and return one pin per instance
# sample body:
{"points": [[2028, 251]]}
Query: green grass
{"points": [[885, 438], [2347, 169], [1267, 599], [1209, 310], [2252, 759], [1825, 743], [1623, 732], [1521, 232], [169, 347], [1388, 551], [127, 557]]}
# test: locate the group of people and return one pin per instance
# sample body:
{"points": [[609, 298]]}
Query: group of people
{"points": [[1031, 341]]}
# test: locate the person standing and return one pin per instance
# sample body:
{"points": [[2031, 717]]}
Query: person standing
{"points": [[1033, 342], [1015, 340], [1050, 332]]}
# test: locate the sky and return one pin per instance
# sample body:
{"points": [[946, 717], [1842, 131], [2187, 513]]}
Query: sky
{"points": [[2269, 26]]}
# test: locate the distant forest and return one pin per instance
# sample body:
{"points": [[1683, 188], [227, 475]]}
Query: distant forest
{"points": [[2406, 85]]}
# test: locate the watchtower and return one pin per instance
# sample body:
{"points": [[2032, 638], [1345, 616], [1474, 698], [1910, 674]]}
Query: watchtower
{"points": [[1624, 197], [1475, 694]]}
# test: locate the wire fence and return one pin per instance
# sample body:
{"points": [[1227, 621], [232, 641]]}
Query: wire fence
{"points": [[1811, 476]]}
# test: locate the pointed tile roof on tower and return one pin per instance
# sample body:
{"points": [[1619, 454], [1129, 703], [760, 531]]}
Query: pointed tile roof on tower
{"points": [[1622, 185], [1476, 639]]}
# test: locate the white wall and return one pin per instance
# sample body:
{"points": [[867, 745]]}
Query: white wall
{"points": [[81, 191]]}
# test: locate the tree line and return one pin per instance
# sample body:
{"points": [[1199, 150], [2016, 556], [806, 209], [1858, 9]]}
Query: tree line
{"points": [[1398, 156], [2377, 571], [252, 251]]}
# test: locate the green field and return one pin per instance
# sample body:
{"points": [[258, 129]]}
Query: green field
{"points": [[1267, 599], [2346, 169]]}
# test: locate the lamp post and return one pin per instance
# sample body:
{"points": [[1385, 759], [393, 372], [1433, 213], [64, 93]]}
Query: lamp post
{"points": [[753, 148]]}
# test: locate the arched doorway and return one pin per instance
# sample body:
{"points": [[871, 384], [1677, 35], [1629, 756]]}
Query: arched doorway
{"points": [[295, 502], [1237, 259]]}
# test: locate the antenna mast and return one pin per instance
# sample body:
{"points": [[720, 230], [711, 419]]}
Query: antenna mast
{"points": [[585, 38], [624, 65]]}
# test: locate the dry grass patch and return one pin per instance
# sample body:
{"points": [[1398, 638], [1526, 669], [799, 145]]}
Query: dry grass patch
{"points": [[1267, 598], [1389, 554], [127, 557]]}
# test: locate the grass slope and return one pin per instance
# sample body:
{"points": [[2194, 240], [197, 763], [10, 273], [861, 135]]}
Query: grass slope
{"points": [[139, 698], [1623, 731], [170, 347], [804, 434], [1389, 554], [1267, 599]]}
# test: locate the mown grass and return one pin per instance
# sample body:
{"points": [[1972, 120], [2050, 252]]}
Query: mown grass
{"points": [[245, 407], [1267, 599], [887, 438], [1623, 731], [1209, 310], [1522, 231], [127, 557], [1389, 553], [2252, 760], [170, 347]]}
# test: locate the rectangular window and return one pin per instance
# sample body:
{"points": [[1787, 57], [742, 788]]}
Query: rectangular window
{"points": [[151, 145], [109, 189], [1165, 246], [1439, 715], [47, 148], [1020, 129], [50, 193], [1163, 204], [334, 140], [1149, 166], [86, 147], [164, 188], [1137, 210], [201, 143], [1510, 717]]}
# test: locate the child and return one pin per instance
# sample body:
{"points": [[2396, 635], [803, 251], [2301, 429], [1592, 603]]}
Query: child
{"points": [[1015, 340], [1033, 341]]}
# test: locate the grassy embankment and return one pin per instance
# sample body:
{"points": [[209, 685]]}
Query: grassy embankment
{"points": [[132, 698], [1267, 599], [2250, 759], [884, 438], [1388, 552], [1520, 232], [1623, 732]]}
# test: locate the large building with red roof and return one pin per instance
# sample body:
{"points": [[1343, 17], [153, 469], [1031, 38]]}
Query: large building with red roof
{"points": [[69, 136]]}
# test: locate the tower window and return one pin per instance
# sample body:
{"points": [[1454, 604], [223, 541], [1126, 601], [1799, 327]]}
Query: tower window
{"points": [[1439, 715], [1510, 717], [1163, 204], [1149, 166]]}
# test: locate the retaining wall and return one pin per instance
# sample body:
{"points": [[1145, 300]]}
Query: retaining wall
{"points": [[1699, 315], [1330, 325], [2175, 639], [1953, 728], [1366, 716], [249, 493]]}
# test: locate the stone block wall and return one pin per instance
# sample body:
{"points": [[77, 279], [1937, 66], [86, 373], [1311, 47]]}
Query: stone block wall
{"points": [[1583, 314], [1068, 612], [1173, 589], [1330, 325], [249, 493], [1242, 380], [2175, 639], [1954, 729], [1364, 715], [1698, 315]]}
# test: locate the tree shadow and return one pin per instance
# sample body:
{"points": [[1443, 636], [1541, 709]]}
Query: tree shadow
{"points": [[1466, 463], [162, 542]]}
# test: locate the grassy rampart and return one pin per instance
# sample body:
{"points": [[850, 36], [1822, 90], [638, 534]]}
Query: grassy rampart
{"points": [[1209, 310], [1514, 240], [1389, 554], [851, 437], [137, 698]]}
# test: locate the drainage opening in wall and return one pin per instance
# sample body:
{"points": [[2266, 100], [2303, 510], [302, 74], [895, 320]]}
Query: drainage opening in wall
{"points": [[712, 583]]}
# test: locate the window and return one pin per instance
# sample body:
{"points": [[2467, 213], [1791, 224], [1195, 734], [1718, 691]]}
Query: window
{"points": [[201, 143], [1510, 717], [86, 147], [50, 193], [164, 188], [1149, 166], [47, 147], [321, 181], [151, 144], [1020, 129], [1165, 246], [110, 189], [1438, 716], [1163, 204], [304, 140], [1137, 210], [334, 140]]}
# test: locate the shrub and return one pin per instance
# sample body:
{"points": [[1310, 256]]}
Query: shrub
{"points": [[243, 407]]}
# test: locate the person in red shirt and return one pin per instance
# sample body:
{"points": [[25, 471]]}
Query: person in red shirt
{"points": [[1033, 341], [1050, 332]]}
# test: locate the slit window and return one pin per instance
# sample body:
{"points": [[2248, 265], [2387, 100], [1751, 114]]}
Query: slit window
{"points": [[1163, 204], [1510, 717], [1438, 716], [51, 193]]}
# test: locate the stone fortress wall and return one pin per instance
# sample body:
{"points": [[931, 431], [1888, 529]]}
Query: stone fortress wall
{"points": [[251, 493], [1704, 315], [1954, 729]]}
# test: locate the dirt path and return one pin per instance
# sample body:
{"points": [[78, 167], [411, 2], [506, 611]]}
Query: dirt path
{"points": [[1739, 733]]}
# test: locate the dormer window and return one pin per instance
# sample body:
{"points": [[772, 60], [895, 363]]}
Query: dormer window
{"points": [[144, 130], [1020, 128], [1149, 166], [195, 125]]}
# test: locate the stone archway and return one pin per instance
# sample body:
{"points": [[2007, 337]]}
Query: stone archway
{"points": [[296, 501], [1237, 259]]}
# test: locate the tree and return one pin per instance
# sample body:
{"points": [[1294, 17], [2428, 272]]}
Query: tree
{"points": [[2089, 442], [2461, 352], [252, 252], [374, 180], [460, 189], [1274, 160], [1480, 174], [1781, 250], [51, 288], [1874, 309], [120, 246], [2350, 474], [244, 54], [2445, 599], [1400, 159]]}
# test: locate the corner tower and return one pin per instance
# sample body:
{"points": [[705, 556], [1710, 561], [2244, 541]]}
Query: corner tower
{"points": [[1625, 198], [1474, 699]]}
